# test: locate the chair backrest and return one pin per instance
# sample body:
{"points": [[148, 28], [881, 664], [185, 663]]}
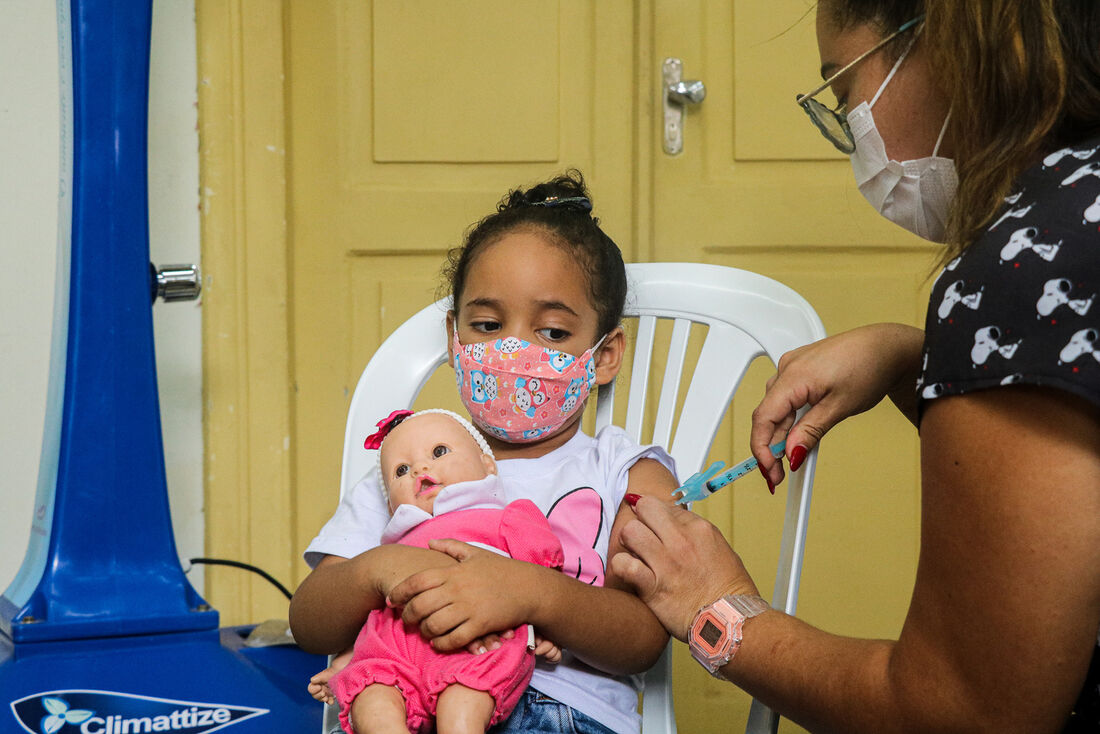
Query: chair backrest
{"points": [[747, 316]]}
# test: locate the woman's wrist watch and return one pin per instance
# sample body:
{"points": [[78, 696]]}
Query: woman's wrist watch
{"points": [[715, 634]]}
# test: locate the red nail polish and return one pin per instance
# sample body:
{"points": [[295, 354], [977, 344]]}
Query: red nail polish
{"points": [[798, 455], [631, 499], [771, 484]]}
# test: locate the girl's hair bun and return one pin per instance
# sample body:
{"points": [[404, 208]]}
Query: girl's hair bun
{"points": [[566, 191]]}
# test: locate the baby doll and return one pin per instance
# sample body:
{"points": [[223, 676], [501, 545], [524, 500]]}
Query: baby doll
{"points": [[439, 477]]}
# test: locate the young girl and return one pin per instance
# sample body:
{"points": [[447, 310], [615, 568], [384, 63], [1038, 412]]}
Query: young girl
{"points": [[439, 478], [538, 291]]}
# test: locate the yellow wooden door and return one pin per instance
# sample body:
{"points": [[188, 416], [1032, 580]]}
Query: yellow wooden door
{"points": [[757, 187], [347, 145]]}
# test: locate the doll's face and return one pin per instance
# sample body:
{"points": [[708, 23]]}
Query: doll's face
{"points": [[426, 453]]}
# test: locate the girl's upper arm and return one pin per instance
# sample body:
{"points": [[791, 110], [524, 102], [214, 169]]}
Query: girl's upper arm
{"points": [[646, 477], [1006, 605]]}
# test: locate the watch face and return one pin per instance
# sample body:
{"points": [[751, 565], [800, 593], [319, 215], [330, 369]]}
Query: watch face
{"points": [[710, 633], [715, 633]]}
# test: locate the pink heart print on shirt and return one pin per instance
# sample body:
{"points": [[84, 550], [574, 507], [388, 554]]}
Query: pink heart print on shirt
{"points": [[577, 519]]}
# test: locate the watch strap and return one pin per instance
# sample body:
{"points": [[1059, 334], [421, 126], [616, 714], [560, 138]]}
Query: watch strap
{"points": [[748, 604], [730, 612]]}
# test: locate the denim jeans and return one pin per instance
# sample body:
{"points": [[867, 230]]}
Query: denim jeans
{"points": [[537, 713]]}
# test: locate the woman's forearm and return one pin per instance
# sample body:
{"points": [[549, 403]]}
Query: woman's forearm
{"points": [[906, 346], [824, 682], [829, 683], [332, 603]]}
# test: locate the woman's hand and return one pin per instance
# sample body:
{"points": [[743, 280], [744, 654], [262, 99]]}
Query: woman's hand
{"points": [[678, 563], [457, 605], [837, 377]]}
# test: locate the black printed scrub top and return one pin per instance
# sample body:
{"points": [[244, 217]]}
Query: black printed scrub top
{"points": [[1020, 305]]}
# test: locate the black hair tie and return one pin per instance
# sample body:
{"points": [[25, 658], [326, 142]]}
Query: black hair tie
{"points": [[583, 203]]}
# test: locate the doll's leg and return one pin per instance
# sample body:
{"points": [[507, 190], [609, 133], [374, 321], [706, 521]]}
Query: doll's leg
{"points": [[462, 710], [379, 709]]}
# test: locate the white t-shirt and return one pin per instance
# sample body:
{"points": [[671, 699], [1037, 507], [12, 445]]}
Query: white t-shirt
{"points": [[579, 487]]}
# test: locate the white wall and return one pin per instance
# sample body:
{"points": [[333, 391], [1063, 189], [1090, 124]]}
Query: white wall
{"points": [[28, 235]]}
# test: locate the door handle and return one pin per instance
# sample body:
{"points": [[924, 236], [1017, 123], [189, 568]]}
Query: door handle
{"points": [[676, 94], [685, 93]]}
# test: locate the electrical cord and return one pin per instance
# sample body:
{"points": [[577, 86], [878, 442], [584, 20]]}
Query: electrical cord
{"points": [[245, 566]]}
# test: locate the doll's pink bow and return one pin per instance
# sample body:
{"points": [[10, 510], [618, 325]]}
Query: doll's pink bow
{"points": [[374, 441]]}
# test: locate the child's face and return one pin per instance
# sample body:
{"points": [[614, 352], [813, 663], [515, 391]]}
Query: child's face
{"points": [[524, 286], [426, 453]]}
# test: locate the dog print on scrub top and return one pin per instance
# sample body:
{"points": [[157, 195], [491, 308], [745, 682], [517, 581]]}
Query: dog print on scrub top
{"points": [[1092, 214], [1081, 343], [1082, 154], [1013, 212], [1059, 292], [955, 295], [1024, 239], [1018, 305], [987, 341]]}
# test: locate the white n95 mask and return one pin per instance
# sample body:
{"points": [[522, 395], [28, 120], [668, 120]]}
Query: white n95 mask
{"points": [[915, 194]]}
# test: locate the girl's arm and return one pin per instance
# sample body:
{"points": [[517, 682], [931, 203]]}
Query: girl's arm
{"points": [[1006, 605], [608, 627], [332, 603]]}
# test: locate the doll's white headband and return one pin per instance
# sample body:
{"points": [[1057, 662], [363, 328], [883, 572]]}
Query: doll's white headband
{"points": [[397, 417]]}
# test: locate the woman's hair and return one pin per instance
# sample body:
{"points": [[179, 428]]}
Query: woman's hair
{"points": [[1022, 78], [560, 209], [885, 15]]}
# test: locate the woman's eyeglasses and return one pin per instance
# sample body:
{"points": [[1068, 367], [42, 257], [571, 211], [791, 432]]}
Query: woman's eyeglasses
{"points": [[833, 124]]}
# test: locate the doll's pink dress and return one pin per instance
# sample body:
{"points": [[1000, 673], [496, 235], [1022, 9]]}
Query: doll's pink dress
{"points": [[389, 653]]}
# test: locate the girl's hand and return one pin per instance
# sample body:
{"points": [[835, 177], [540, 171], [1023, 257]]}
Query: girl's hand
{"points": [[547, 650], [456, 605], [678, 563], [837, 377]]}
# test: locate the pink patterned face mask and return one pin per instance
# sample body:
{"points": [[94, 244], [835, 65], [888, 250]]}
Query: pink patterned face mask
{"points": [[521, 392]]}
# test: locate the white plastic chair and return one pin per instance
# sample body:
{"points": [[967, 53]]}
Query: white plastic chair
{"points": [[748, 316]]}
